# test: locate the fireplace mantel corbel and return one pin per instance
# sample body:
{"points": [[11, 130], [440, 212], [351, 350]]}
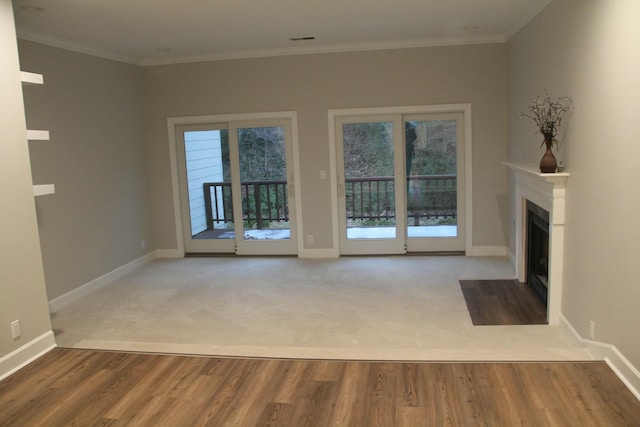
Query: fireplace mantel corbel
{"points": [[546, 190]]}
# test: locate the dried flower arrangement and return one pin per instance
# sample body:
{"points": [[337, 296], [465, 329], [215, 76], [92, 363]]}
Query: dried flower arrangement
{"points": [[546, 112]]}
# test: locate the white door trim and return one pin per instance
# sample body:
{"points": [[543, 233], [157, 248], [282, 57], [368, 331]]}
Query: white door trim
{"points": [[172, 122], [465, 109]]}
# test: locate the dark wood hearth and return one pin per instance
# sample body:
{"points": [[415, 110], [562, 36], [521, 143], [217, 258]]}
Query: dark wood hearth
{"points": [[502, 302]]}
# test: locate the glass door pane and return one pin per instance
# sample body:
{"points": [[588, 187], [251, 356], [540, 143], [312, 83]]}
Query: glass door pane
{"points": [[264, 220], [433, 174], [369, 175], [209, 184], [263, 183], [431, 178], [207, 204]]}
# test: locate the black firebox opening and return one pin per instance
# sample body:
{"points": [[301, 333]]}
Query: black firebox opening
{"points": [[537, 245]]}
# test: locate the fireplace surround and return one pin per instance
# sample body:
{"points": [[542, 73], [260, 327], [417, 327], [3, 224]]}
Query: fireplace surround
{"points": [[547, 192]]}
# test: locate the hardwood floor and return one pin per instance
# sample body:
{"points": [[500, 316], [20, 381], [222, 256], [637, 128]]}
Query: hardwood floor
{"points": [[91, 388], [502, 302]]}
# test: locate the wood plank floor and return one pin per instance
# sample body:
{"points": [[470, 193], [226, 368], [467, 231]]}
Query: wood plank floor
{"points": [[90, 388], [502, 302]]}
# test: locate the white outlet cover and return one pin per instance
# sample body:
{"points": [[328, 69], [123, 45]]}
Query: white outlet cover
{"points": [[15, 329]]}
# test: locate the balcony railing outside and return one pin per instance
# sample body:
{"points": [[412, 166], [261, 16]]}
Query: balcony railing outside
{"points": [[368, 200], [263, 202], [371, 200]]}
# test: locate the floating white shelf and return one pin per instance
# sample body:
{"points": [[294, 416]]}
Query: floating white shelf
{"points": [[34, 79], [37, 135], [44, 189], [31, 78]]}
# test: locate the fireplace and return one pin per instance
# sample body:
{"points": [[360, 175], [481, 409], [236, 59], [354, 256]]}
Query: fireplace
{"points": [[545, 191], [537, 250]]}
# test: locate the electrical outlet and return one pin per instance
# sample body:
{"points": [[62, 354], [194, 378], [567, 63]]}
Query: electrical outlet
{"points": [[309, 238], [15, 329], [592, 329], [143, 245]]}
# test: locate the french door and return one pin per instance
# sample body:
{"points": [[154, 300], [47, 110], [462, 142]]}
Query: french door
{"points": [[370, 168], [235, 187], [400, 183]]}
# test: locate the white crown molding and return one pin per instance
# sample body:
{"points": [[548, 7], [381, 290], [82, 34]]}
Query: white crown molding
{"points": [[260, 53], [317, 49], [526, 17], [74, 47]]}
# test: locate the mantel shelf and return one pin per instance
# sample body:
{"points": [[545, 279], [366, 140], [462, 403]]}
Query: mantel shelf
{"points": [[553, 178], [31, 78], [44, 189]]}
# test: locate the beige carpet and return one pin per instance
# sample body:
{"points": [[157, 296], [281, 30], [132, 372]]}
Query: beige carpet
{"points": [[372, 308]]}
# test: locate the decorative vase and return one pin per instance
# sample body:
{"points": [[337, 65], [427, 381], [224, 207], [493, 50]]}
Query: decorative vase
{"points": [[548, 163]]}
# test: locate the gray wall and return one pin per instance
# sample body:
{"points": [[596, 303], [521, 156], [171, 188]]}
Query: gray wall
{"points": [[22, 292], [589, 51], [96, 158], [97, 111], [113, 191], [313, 84]]}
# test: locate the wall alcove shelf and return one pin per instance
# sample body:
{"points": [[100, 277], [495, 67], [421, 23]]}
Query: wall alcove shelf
{"points": [[43, 189], [34, 79], [29, 79]]}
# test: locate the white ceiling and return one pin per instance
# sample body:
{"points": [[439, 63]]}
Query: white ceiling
{"points": [[162, 31]]}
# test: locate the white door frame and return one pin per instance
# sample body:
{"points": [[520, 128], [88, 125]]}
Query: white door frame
{"points": [[294, 191], [465, 109]]}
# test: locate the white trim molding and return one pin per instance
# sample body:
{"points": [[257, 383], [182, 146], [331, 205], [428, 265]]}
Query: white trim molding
{"points": [[26, 354], [478, 251], [319, 253], [173, 122], [465, 109], [608, 353], [92, 286], [168, 253]]}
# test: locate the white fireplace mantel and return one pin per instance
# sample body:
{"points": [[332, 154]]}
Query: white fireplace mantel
{"points": [[546, 190]]}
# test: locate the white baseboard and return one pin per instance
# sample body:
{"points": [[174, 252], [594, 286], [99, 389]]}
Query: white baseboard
{"points": [[487, 251], [74, 295], [475, 251], [26, 354], [168, 253], [512, 258], [619, 364], [319, 253]]}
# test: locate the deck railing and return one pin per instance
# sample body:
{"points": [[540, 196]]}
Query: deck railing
{"points": [[263, 202], [367, 199], [428, 197]]}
